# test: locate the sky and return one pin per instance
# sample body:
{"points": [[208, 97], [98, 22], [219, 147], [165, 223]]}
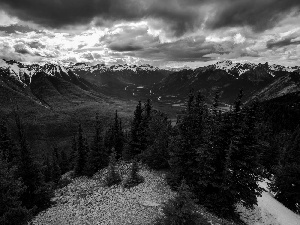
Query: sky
{"points": [[164, 33]]}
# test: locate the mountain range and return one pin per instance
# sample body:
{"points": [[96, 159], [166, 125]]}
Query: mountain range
{"points": [[54, 98], [47, 83], [262, 80]]}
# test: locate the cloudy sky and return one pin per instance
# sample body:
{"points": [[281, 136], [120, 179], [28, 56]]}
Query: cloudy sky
{"points": [[157, 32]]}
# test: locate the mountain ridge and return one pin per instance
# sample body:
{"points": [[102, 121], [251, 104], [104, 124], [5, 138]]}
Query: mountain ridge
{"points": [[226, 76]]}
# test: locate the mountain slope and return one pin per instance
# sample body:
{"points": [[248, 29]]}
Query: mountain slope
{"points": [[229, 78], [120, 75], [279, 87], [52, 101]]}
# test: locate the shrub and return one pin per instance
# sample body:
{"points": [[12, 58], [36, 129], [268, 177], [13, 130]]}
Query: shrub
{"points": [[181, 210], [112, 176], [134, 178]]}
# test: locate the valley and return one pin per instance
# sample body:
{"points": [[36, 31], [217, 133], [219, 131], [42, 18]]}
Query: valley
{"points": [[54, 99], [62, 105]]}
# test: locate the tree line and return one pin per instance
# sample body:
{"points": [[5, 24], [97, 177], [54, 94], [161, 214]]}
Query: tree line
{"points": [[218, 157]]}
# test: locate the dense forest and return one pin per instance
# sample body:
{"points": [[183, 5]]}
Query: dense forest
{"points": [[212, 158]]}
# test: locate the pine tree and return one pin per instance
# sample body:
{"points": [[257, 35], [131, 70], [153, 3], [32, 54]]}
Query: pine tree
{"points": [[156, 155], [11, 189], [98, 157], [114, 137], [286, 184], [37, 194], [144, 126], [64, 163], [135, 143], [134, 178], [243, 169], [183, 148], [216, 102], [81, 154], [47, 169], [118, 136], [229, 154], [181, 210], [7, 148], [112, 176], [55, 168], [73, 152]]}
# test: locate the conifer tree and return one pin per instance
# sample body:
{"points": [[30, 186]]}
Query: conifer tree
{"points": [[135, 143], [47, 169], [7, 148], [64, 162], [286, 184], [181, 210], [11, 189], [134, 178], [243, 169], [55, 168], [183, 148], [156, 155], [144, 126], [216, 102], [118, 136], [98, 156], [73, 152], [229, 154], [112, 176], [81, 154], [114, 137], [37, 194]]}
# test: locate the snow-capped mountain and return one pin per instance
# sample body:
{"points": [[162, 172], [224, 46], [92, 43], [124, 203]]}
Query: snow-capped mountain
{"points": [[24, 72], [113, 68], [119, 76], [241, 68], [229, 78]]}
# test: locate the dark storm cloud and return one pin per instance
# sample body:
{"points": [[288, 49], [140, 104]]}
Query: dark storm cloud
{"points": [[258, 14], [16, 28], [22, 49], [125, 47], [36, 44], [282, 43], [58, 13], [179, 16], [182, 50]]}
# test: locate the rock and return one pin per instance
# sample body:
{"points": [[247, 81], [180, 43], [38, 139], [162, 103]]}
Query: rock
{"points": [[149, 203]]}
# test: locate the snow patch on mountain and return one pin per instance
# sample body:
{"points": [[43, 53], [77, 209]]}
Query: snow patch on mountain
{"points": [[113, 68], [241, 68]]}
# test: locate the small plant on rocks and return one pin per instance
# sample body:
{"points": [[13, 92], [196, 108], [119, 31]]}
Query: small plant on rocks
{"points": [[181, 210], [112, 176], [134, 178]]}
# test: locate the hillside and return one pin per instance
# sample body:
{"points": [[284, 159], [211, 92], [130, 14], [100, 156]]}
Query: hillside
{"points": [[56, 97], [52, 102], [86, 201], [264, 80]]}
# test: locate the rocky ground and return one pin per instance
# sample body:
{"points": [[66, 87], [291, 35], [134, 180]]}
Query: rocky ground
{"points": [[86, 201]]}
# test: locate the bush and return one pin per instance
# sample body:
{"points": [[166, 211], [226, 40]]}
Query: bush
{"points": [[134, 178], [112, 176], [181, 210]]}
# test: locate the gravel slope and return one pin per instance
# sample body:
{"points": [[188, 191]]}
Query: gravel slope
{"points": [[85, 201], [269, 211]]}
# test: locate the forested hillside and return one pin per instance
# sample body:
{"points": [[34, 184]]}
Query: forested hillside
{"points": [[219, 157]]}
